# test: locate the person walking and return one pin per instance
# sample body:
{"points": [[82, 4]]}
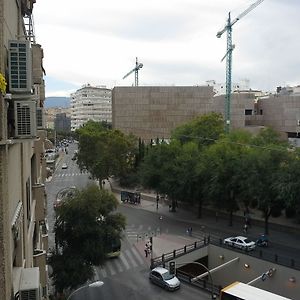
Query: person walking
{"points": [[146, 250]]}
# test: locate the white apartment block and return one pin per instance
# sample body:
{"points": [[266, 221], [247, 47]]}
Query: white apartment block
{"points": [[90, 103]]}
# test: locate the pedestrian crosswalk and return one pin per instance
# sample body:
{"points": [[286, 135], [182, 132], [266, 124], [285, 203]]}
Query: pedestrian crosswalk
{"points": [[136, 233], [70, 174], [129, 259]]}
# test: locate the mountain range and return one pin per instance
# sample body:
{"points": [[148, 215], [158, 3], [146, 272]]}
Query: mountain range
{"points": [[57, 102]]}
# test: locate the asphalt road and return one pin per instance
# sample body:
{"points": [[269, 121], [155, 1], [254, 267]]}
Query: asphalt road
{"points": [[126, 277]]}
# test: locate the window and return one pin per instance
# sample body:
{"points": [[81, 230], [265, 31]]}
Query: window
{"points": [[248, 112]]}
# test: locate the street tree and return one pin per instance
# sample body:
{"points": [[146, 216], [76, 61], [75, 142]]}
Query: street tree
{"points": [[204, 130], [224, 169], [266, 159], [159, 170], [288, 185], [85, 225], [105, 152]]}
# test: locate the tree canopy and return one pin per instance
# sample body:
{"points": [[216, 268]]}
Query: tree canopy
{"points": [[105, 152], [84, 227]]}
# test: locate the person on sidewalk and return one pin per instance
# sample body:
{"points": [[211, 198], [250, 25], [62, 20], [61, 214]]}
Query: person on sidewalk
{"points": [[245, 228], [146, 250]]}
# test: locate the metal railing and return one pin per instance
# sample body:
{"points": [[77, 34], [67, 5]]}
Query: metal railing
{"points": [[166, 257]]}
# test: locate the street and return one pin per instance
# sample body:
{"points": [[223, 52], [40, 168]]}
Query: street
{"points": [[127, 275]]}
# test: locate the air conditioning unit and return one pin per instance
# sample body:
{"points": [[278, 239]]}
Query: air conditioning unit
{"points": [[19, 65], [40, 120], [30, 284], [25, 119]]}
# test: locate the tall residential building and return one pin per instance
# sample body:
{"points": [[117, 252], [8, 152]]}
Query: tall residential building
{"points": [[90, 103], [23, 225], [62, 123]]}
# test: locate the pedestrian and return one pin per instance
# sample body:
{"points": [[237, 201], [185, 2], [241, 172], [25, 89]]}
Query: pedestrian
{"points": [[217, 216], [190, 231], [146, 250], [245, 228]]}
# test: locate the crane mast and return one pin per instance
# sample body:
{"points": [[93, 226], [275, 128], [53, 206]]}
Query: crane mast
{"points": [[136, 69], [228, 55]]}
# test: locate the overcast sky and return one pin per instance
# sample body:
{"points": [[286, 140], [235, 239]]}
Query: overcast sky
{"points": [[96, 42]]}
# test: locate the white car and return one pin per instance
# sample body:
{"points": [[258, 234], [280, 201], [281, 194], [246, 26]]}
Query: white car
{"points": [[240, 242], [64, 166], [163, 278]]}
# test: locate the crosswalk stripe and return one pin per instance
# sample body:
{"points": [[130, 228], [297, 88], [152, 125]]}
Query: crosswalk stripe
{"points": [[131, 258], [110, 268], [103, 272], [124, 261], [138, 256], [117, 264], [62, 175]]}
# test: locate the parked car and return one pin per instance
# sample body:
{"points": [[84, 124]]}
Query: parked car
{"points": [[163, 278], [240, 242], [64, 166]]}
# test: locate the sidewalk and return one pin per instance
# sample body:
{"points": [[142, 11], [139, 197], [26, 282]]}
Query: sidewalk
{"points": [[281, 230]]}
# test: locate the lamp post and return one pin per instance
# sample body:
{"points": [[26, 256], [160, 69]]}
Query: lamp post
{"points": [[90, 285], [213, 296]]}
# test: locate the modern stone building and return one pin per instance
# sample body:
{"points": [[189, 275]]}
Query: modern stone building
{"points": [[151, 112], [23, 227], [90, 103]]}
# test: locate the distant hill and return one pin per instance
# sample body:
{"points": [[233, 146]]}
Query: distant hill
{"points": [[57, 102]]}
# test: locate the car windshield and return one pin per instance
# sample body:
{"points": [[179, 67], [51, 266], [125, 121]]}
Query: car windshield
{"points": [[167, 276]]}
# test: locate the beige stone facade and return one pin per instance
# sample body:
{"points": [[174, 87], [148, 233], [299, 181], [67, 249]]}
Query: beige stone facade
{"points": [[23, 230], [151, 112]]}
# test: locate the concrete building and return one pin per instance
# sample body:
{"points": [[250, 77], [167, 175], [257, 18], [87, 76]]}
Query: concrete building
{"points": [[90, 103], [23, 227], [151, 112], [50, 114], [62, 123]]}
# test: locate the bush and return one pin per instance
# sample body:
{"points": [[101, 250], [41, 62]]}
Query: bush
{"points": [[290, 212]]}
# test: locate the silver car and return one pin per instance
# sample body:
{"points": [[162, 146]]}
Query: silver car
{"points": [[163, 278]]}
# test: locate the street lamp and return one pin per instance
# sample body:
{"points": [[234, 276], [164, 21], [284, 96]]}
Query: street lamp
{"points": [[213, 296], [90, 285]]}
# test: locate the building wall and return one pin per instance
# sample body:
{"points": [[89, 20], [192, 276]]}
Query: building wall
{"points": [[20, 165], [90, 103], [281, 112], [151, 112]]}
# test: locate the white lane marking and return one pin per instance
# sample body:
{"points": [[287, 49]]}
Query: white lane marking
{"points": [[129, 255], [138, 256], [124, 261]]}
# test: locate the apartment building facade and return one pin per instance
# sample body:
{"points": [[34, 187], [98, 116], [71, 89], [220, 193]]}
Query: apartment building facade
{"points": [[23, 225], [90, 103]]}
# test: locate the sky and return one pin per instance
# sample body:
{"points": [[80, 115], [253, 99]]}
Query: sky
{"points": [[97, 42]]}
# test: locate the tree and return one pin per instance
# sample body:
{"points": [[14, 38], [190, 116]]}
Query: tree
{"points": [[288, 184], [159, 170], [104, 152], [267, 157], [224, 168], [204, 130], [82, 227]]}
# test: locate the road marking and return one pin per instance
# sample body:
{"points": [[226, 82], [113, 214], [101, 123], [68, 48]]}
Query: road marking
{"points": [[129, 255], [117, 264], [138, 256], [110, 268], [124, 261], [103, 272]]}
